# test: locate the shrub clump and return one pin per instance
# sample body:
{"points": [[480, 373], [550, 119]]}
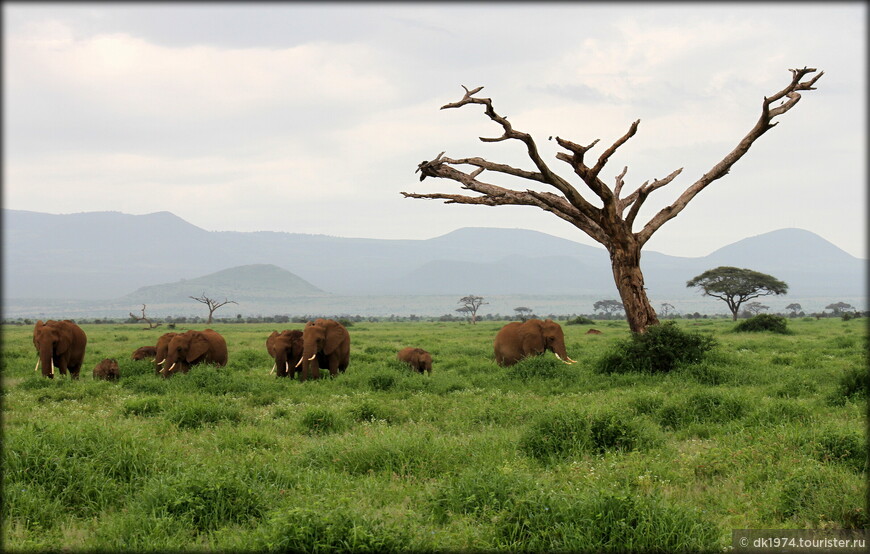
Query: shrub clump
{"points": [[854, 384], [764, 322], [618, 522], [660, 349], [566, 433], [320, 421], [580, 320]]}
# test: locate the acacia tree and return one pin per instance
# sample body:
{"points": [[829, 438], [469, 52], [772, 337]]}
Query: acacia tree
{"points": [[470, 304], [612, 224], [212, 304], [735, 286], [523, 312], [795, 308], [609, 307], [756, 308]]}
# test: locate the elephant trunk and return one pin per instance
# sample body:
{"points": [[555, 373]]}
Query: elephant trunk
{"points": [[46, 359]]}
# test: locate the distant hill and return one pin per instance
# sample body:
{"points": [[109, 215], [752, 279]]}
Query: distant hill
{"points": [[160, 258], [249, 283]]}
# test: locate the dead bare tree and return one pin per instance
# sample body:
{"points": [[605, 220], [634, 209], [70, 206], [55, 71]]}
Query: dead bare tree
{"points": [[212, 304], [609, 224], [151, 325]]}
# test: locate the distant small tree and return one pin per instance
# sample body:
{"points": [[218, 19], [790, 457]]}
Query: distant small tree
{"points": [[470, 305], [794, 308], [212, 305], [523, 313], [735, 286], [839, 307], [756, 308], [151, 325], [666, 309], [608, 306]]}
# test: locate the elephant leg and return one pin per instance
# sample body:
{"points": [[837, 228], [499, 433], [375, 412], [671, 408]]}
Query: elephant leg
{"points": [[333, 365]]}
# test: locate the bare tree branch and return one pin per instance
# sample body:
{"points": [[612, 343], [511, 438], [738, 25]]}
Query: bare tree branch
{"points": [[722, 168], [151, 325], [212, 304]]}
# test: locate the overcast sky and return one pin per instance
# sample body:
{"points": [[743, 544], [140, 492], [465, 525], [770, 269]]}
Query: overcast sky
{"points": [[311, 118]]}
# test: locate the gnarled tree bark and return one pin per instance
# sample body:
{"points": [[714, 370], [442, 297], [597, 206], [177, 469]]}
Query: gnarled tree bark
{"points": [[610, 225]]}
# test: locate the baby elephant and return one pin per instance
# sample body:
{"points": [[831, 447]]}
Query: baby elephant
{"points": [[145, 352], [108, 370], [417, 358]]}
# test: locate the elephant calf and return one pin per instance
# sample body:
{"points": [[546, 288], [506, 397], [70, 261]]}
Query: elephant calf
{"points": [[108, 370], [145, 352], [417, 358]]}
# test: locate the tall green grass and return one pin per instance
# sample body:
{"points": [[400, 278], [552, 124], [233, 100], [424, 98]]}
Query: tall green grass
{"points": [[764, 431]]}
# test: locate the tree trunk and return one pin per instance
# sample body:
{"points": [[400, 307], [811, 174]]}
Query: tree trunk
{"points": [[625, 259]]}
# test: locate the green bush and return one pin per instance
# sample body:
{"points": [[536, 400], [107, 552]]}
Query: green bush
{"points": [[478, 492], [556, 435], [579, 320], [764, 322], [619, 521], [320, 421], [701, 407], [849, 449], [660, 349], [382, 381], [854, 384], [203, 499], [194, 412], [146, 406], [615, 431]]}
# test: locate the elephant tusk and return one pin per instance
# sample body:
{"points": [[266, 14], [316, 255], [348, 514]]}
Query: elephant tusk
{"points": [[570, 360], [287, 367], [273, 368], [170, 367], [561, 360], [52, 366], [161, 362], [312, 356], [37, 365]]}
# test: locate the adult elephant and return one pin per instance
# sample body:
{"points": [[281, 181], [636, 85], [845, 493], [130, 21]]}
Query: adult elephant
{"points": [[325, 345], [59, 344], [516, 341], [286, 348], [192, 348], [161, 349], [417, 358]]}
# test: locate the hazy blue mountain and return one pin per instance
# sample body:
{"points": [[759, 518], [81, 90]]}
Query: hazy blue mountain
{"points": [[249, 283], [110, 255]]}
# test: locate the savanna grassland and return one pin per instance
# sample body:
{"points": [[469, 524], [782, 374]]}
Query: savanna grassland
{"points": [[767, 432]]}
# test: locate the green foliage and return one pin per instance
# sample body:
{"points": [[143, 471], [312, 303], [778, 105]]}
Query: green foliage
{"points": [[580, 320], [478, 492], [735, 286], [196, 411], [660, 349], [564, 434], [475, 457], [621, 521], [701, 407], [764, 322], [853, 384], [202, 499], [320, 421], [324, 526]]}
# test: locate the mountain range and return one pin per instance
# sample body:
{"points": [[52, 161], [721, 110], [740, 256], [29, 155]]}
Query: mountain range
{"points": [[111, 258]]}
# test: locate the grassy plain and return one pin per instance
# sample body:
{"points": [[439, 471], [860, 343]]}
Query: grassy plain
{"points": [[538, 457]]}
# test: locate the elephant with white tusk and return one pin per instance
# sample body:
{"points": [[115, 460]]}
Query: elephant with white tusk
{"points": [[59, 344], [192, 348], [286, 348], [326, 345], [516, 341]]}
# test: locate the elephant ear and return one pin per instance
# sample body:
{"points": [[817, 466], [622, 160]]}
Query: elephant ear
{"points": [[334, 336], [198, 347], [269, 342], [532, 335], [64, 340]]}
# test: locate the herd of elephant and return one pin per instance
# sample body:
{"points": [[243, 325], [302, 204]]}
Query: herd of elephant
{"points": [[321, 344]]}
